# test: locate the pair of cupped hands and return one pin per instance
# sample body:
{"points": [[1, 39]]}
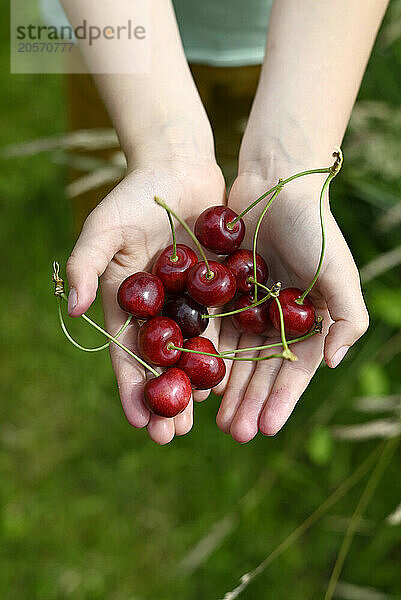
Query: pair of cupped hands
{"points": [[127, 230]]}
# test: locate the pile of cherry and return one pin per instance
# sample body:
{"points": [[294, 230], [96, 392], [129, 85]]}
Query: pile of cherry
{"points": [[172, 303], [182, 289]]}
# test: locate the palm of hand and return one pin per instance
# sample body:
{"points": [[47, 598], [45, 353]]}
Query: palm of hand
{"points": [[263, 396], [125, 233]]}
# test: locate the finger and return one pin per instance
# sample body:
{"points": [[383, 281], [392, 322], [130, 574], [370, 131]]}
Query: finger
{"points": [[347, 309], [160, 429], [201, 395], [212, 333], [93, 251], [131, 396], [184, 421], [129, 374], [228, 340], [291, 381], [245, 424], [240, 375]]}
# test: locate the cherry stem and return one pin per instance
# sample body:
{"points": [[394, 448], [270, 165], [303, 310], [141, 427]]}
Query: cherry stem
{"points": [[333, 172], [274, 188], [161, 203], [290, 355], [256, 233], [174, 256], [76, 344], [113, 338], [259, 348], [234, 312], [254, 359], [256, 348]]}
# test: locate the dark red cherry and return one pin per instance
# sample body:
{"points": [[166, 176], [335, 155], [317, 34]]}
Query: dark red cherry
{"points": [[154, 337], [204, 371], [214, 233], [298, 318], [173, 274], [141, 295], [255, 319], [168, 394], [240, 263], [215, 291], [187, 314]]}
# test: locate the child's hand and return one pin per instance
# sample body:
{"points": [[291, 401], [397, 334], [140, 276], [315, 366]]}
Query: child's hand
{"points": [[263, 396], [123, 235]]}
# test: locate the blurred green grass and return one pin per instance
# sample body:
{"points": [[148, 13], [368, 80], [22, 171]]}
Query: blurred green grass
{"points": [[92, 509]]}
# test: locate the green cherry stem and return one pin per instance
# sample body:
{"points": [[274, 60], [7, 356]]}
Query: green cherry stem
{"points": [[254, 359], [113, 339], [161, 203], [274, 188], [326, 184], [256, 232], [225, 354], [275, 345], [76, 344], [333, 172], [286, 351], [238, 310], [60, 293], [174, 256]]}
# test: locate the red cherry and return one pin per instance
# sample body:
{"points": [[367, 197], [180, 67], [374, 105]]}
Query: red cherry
{"points": [[204, 371], [168, 394], [141, 295], [215, 291], [187, 314], [254, 320], [298, 318], [213, 232], [154, 337], [173, 274], [240, 263]]}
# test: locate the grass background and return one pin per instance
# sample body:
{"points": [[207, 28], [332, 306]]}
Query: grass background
{"points": [[92, 509]]}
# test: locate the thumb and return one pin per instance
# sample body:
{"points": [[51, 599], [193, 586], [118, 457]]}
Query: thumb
{"points": [[98, 242], [347, 309]]}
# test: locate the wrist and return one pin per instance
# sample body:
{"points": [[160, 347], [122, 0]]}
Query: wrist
{"points": [[303, 178], [283, 148], [268, 161], [175, 140]]}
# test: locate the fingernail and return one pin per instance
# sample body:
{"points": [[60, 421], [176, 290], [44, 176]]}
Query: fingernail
{"points": [[338, 356], [72, 300]]}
